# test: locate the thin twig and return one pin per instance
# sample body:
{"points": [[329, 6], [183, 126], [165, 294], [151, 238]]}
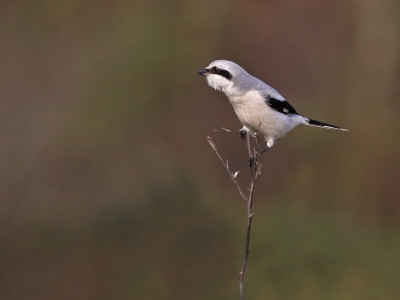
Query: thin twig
{"points": [[226, 130], [255, 170], [226, 165]]}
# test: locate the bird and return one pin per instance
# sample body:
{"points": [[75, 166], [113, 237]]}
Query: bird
{"points": [[258, 106]]}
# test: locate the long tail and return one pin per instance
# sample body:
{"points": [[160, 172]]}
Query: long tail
{"points": [[315, 123]]}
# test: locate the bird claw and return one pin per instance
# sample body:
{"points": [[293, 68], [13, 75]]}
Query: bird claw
{"points": [[253, 160], [243, 133]]}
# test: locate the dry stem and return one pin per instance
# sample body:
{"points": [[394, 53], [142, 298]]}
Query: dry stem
{"points": [[255, 170]]}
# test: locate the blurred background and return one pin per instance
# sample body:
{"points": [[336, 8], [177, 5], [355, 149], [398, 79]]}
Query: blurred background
{"points": [[109, 189]]}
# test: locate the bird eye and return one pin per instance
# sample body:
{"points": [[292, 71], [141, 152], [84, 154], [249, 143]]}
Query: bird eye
{"points": [[214, 69]]}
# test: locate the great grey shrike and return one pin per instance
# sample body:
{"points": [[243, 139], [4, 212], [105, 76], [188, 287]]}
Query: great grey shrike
{"points": [[259, 107]]}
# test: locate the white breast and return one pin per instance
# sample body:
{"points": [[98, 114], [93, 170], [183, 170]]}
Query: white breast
{"points": [[257, 116]]}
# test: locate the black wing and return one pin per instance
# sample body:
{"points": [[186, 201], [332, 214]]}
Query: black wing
{"points": [[283, 107]]}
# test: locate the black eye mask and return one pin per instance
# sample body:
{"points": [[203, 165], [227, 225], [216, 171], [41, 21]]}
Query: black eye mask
{"points": [[221, 72]]}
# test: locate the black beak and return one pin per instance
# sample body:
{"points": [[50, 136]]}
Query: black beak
{"points": [[203, 72]]}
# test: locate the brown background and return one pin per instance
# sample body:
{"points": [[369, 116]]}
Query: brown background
{"points": [[109, 189]]}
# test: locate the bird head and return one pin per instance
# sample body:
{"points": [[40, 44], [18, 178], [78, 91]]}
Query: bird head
{"points": [[221, 74]]}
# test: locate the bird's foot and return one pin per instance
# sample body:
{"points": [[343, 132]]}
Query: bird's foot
{"points": [[243, 133], [253, 160]]}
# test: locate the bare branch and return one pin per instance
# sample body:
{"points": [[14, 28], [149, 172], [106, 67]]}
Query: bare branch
{"points": [[226, 130], [226, 165], [255, 170]]}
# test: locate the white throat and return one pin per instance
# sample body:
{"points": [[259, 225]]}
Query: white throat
{"points": [[218, 83]]}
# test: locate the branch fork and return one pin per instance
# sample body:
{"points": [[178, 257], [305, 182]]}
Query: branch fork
{"points": [[255, 170]]}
